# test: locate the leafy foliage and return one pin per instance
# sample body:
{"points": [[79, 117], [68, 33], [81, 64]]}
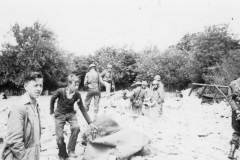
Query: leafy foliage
{"points": [[36, 50]]}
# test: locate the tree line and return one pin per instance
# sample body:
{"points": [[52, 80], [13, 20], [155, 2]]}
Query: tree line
{"points": [[210, 56]]}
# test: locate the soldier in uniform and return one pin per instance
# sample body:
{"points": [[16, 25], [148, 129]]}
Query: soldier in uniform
{"points": [[139, 94], [93, 81], [234, 99], [107, 76]]}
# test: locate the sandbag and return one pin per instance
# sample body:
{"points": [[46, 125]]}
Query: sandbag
{"points": [[105, 125], [123, 144]]}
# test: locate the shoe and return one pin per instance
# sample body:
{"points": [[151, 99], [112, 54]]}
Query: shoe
{"points": [[232, 151], [72, 154], [63, 158]]}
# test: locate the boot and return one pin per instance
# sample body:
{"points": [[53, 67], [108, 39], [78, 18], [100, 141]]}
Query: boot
{"points": [[232, 151], [72, 154], [63, 158]]}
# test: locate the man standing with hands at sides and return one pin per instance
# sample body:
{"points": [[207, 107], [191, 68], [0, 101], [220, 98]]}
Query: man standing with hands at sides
{"points": [[24, 127], [93, 81], [107, 76], [65, 112]]}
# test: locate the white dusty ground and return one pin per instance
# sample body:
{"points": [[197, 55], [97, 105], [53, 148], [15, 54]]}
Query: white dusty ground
{"points": [[187, 130]]}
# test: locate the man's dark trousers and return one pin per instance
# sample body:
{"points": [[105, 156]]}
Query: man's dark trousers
{"points": [[60, 121], [92, 93]]}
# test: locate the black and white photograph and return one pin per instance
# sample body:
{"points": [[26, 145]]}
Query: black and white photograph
{"points": [[119, 79]]}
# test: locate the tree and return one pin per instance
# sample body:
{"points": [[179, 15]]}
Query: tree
{"points": [[36, 50], [207, 49]]}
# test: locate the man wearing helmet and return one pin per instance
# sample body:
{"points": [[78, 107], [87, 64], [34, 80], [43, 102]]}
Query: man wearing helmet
{"points": [[92, 81], [107, 76], [158, 78], [157, 95], [139, 94], [234, 99]]}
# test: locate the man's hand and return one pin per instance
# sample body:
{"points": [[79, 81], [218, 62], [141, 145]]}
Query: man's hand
{"points": [[113, 86]]}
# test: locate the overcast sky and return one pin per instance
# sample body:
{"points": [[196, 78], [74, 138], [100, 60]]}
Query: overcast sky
{"points": [[83, 26]]}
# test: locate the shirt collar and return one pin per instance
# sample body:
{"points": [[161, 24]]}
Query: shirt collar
{"points": [[26, 99]]}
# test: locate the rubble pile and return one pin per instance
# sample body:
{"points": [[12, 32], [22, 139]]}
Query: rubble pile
{"points": [[186, 130]]}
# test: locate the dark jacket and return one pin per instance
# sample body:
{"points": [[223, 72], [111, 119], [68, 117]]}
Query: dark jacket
{"points": [[65, 105]]}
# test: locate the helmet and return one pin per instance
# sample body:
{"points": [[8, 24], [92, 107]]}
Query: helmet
{"points": [[155, 82], [138, 83], [92, 65], [144, 83], [157, 77], [109, 66]]}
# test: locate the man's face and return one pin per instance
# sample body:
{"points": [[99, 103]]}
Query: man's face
{"points": [[34, 88], [144, 86], [109, 69], [73, 86]]}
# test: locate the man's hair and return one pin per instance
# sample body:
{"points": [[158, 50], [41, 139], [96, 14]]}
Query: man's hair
{"points": [[32, 76], [73, 78]]}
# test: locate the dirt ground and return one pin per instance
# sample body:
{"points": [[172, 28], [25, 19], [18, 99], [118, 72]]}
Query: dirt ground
{"points": [[186, 130]]}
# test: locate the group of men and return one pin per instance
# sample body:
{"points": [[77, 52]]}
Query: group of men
{"points": [[24, 125], [143, 93]]}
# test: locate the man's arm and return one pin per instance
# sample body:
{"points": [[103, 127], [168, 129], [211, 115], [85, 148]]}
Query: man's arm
{"points": [[53, 99], [133, 96], [230, 100], [86, 80], [83, 110], [101, 80], [103, 73], [15, 132]]}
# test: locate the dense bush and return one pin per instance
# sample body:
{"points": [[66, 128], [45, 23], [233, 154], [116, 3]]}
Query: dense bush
{"points": [[35, 50]]}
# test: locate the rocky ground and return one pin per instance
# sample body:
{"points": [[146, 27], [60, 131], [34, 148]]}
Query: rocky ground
{"points": [[186, 130]]}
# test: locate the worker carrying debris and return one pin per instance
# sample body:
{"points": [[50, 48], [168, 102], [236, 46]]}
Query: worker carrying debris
{"points": [[139, 94], [65, 113], [234, 99]]}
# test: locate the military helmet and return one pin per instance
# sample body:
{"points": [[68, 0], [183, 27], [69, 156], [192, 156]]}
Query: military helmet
{"points": [[92, 65], [157, 77], [109, 66], [144, 83], [138, 83], [155, 82]]}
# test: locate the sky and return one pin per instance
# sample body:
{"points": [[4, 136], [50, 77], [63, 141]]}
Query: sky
{"points": [[83, 26]]}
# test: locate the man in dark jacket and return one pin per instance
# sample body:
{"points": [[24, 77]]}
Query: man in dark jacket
{"points": [[24, 127], [66, 113]]}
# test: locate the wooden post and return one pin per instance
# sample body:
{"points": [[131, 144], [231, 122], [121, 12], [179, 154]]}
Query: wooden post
{"points": [[200, 96], [191, 91], [220, 91]]}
